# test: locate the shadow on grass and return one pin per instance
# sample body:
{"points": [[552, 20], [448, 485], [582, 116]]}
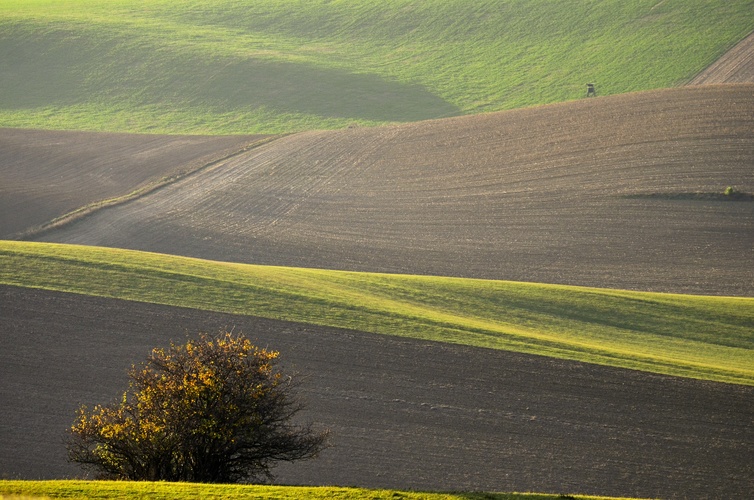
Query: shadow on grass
{"points": [[329, 92], [64, 67], [40, 71]]}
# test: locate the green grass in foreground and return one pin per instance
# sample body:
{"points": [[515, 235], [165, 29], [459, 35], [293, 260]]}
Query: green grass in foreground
{"points": [[693, 336], [271, 66], [190, 491]]}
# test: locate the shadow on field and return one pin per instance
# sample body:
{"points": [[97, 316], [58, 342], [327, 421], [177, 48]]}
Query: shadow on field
{"points": [[723, 196], [41, 71], [305, 88], [62, 68]]}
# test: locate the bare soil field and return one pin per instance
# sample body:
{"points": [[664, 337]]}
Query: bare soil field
{"points": [[403, 413], [736, 66], [623, 191], [45, 174]]}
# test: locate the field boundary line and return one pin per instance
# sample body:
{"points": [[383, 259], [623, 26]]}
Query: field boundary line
{"points": [[94, 207], [721, 65]]}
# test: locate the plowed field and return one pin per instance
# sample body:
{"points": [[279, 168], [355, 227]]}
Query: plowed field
{"points": [[404, 414], [624, 191], [44, 174]]}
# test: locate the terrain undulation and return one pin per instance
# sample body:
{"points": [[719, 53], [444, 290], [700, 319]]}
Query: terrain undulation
{"points": [[404, 414], [619, 192], [627, 191]]}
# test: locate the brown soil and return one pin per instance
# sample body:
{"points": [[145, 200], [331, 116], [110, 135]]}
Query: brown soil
{"points": [[404, 413], [45, 174], [736, 66], [621, 191], [593, 192]]}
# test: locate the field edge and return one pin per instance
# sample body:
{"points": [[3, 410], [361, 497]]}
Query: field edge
{"points": [[635, 330], [87, 489]]}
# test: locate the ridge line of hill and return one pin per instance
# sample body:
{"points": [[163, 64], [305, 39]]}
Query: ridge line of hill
{"points": [[593, 192]]}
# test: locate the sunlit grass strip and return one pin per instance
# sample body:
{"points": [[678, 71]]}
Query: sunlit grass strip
{"points": [[693, 336], [191, 491]]}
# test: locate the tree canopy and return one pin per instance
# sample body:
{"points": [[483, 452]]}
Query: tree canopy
{"points": [[216, 409]]}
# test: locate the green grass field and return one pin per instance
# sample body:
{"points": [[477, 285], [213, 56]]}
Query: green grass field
{"points": [[188, 491], [691, 336], [270, 66]]}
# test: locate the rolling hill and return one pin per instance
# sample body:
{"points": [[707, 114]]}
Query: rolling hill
{"points": [[626, 191], [418, 414], [404, 413], [619, 192], [272, 66]]}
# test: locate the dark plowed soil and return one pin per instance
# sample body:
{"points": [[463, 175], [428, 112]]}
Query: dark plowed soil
{"points": [[45, 174], [582, 193], [404, 414]]}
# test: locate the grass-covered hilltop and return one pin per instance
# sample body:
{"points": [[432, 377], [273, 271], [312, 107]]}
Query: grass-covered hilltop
{"points": [[269, 66]]}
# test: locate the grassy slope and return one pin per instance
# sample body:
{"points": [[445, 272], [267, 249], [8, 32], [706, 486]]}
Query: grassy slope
{"points": [[271, 65], [164, 491], [701, 337]]}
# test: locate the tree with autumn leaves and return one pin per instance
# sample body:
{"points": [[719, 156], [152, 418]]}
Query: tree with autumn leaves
{"points": [[212, 410]]}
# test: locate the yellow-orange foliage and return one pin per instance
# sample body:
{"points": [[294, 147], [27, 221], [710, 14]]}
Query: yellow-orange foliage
{"points": [[214, 409]]}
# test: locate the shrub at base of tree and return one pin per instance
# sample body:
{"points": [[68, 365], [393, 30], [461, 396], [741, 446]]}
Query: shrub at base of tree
{"points": [[212, 410]]}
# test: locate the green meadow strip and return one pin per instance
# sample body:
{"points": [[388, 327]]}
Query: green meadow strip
{"points": [[89, 490], [692, 336]]}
